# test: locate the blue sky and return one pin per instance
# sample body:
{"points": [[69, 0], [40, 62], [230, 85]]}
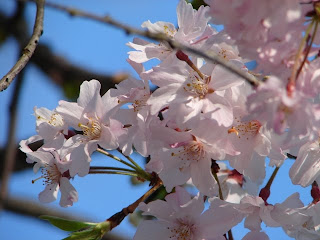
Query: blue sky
{"points": [[99, 48]]}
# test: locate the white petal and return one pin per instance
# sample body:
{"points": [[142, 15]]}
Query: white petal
{"points": [[49, 194], [69, 194]]}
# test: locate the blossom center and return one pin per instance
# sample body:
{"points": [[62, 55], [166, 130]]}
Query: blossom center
{"points": [[92, 129], [138, 104], [223, 54], [246, 129], [169, 31], [197, 86], [56, 120], [50, 174], [192, 150], [182, 231], [285, 110]]}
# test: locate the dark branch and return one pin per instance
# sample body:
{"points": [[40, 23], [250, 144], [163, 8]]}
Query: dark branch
{"points": [[33, 209], [156, 36], [64, 73], [28, 50]]}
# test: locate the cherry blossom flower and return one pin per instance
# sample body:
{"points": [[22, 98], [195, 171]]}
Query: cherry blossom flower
{"points": [[50, 127], [134, 94], [193, 29], [55, 166], [288, 214], [264, 31], [306, 169], [49, 123], [272, 105], [190, 154], [91, 115], [251, 161], [304, 224], [190, 96], [183, 217]]}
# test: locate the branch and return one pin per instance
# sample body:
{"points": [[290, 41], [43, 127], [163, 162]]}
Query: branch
{"points": [[156, 36], [64, 73], [10, 151], [61, 71], [117, 218], [33, 209], [28, 50]]}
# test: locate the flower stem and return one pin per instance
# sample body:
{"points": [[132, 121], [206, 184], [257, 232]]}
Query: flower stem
{"points": [[300, 50], [113, 172], [116, 158], [308, 49], [268, 185], [130, 159], [218, 182], [97, 168], [230, 236], [139, 170]]}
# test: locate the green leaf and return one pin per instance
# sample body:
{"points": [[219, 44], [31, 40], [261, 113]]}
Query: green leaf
{"points": [[67, 225], [95, 232]]}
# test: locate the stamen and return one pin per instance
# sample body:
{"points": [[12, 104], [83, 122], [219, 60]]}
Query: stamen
{"points": [[33, 181], [92, 129], [191, 151], [56, 120], [233, 130], [197, 86], [246, 129], [168, 31], [182, 231], [50, 174], [140, 103]]}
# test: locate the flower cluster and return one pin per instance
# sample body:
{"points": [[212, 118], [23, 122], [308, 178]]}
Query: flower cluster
{"points": [[202, 116]]}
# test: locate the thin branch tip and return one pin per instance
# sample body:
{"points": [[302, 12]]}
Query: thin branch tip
{"points": [[28, 51]]}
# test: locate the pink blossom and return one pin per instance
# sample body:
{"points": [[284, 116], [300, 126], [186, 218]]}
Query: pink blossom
{"points": [[272, 105], [266, 30], [287, 214], [55, 166], [189, 156], [182, 217], [190, 96], [251, 161], [306, 167], [136, 115], [193, 29], [91, 115]]}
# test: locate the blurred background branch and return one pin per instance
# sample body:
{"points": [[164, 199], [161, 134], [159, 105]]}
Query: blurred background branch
{"points": [[20, 205], [64, 74]]}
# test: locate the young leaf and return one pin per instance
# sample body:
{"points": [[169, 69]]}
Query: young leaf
{"points": [[67, 225], [95, 232]]}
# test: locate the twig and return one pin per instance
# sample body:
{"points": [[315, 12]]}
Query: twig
{"points": [[291, 156], [117, 218], [65, 73], [60, 70], [28, 50], [156, 36]]}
